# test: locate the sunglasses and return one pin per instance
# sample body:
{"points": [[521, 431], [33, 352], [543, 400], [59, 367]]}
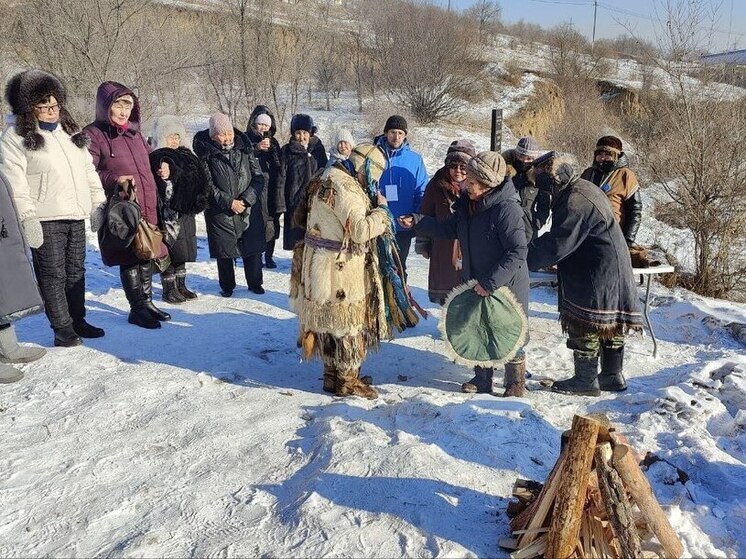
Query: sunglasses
{"points": [[457, 166]]}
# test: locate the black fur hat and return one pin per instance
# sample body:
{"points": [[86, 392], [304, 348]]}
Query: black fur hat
{"points": [[30, 88], [302, 122]]}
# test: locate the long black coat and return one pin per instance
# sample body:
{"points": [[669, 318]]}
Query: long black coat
{"points": [[597, 290], [233, 175], [492, 239], [273, 199], [298, 166], [190, 197], [535, 203]]}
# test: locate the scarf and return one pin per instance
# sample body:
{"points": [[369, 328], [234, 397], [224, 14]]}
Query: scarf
{"points": [[48, 126]]}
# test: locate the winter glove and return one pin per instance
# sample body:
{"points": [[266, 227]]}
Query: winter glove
{"points": [[32, 232], [97, 218]]}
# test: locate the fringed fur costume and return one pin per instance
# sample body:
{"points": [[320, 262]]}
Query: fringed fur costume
{"points": [[336, 286]]}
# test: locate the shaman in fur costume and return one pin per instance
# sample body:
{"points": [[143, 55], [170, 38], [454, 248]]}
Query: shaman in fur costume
{"points": [[336, 285]]}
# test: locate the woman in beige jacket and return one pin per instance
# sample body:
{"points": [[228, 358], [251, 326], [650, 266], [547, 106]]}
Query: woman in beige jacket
{"points": [[44, 158]]}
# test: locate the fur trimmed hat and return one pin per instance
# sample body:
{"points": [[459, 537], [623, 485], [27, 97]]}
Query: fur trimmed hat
{"points": [[609, 144], [460, 151], [29, 88], [369, 152], [488, 168], [396, 122], [167, 125], [302, 122]]}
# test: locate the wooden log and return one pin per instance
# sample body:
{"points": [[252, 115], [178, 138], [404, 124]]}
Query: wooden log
{"points": [[618, 509], [572, 488], [536, 548], [642, 494], [535, 516], [510, 544]]}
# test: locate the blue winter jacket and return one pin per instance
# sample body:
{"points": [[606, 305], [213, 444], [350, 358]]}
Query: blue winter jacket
{"points": [[406, 170]]}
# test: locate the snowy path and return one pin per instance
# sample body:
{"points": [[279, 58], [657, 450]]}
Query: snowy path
{"points": [[209, 438]]}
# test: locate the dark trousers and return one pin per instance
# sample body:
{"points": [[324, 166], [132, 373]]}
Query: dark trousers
{"points": [[404, 240], [269, 253], [59, 264], [252, 268]]}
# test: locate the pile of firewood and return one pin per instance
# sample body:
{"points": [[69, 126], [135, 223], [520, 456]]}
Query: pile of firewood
{"points": [[596, 502]]}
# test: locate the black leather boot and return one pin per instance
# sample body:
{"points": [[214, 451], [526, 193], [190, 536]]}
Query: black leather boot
{"points": [[585, 380], [66, 337], [171, 293], [146, 277], [611, 378], [183, 289], [481, 383], [139, 315]]}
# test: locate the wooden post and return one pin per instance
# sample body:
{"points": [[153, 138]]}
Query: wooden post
{"points": [[573, 486], [618, 508], [641, 493], [496, 135]]}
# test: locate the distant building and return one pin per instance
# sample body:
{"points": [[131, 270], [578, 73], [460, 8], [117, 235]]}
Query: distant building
{"points": [[734, 57]]}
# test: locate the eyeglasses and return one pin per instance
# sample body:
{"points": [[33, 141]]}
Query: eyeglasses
{"points": [[457, 166], [49, 109]]}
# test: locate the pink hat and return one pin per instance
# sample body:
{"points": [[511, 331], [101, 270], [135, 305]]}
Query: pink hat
{"points": [[220, 123]]}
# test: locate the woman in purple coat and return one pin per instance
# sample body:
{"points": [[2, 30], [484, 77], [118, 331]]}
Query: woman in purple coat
{"points": [[120, 154]]}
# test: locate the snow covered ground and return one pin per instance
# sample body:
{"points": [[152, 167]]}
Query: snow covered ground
{"points": [[209, 438]]}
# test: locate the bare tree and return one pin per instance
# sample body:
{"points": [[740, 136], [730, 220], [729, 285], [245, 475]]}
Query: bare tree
{"points": [[425, 58], [692, 147], [486, 14], [331, 68], [570, 54]]}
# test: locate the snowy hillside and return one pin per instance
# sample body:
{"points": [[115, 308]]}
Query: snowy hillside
{"points": [[209, 438]]}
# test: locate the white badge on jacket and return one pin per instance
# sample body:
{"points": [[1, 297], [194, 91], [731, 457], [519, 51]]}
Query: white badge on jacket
{"points": [[392, 192]]}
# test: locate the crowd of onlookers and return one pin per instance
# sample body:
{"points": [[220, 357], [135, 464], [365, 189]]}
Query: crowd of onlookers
{"points": [[486, 216]]}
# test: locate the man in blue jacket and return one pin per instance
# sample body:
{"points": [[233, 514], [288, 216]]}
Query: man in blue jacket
{"points": [[404, 181]]}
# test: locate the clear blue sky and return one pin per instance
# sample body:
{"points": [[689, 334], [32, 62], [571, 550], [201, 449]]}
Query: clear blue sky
{"points": [[614, 15]]}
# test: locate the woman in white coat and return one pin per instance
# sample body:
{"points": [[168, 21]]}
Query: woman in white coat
{"points": [[44, 158]]}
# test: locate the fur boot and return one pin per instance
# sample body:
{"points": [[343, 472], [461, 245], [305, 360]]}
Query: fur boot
{"points": [[349, 384], [515, 378], [481, 382]]}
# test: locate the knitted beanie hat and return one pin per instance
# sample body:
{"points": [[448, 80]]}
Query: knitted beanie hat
{"points": [[396, 122], [488, 168], [220, 124], [263, 119], [460, 151], [609, 144], [344, 135], [528, 147]]}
